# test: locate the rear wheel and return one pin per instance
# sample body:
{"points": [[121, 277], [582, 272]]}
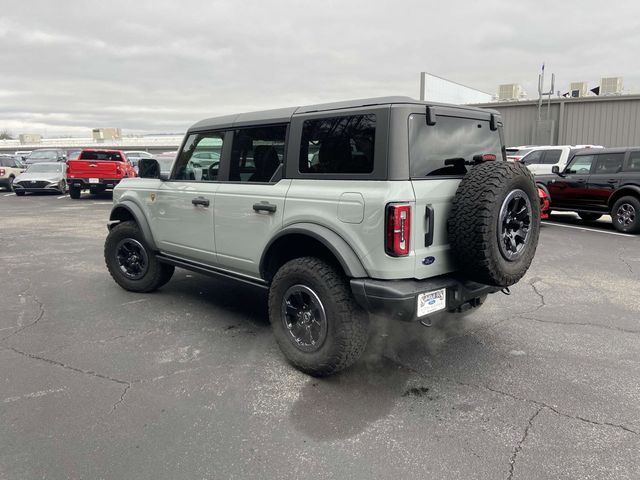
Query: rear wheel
{"points": [[132, 264], [589, 217], [625, 215], [74, 192], [317, 323]]}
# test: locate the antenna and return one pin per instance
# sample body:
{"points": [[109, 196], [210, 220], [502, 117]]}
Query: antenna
{"points": [[542, 93]]}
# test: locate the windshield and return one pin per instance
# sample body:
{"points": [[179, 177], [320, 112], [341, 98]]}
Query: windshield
{"points": [[43, 155], [449, 146], [42, 168]]}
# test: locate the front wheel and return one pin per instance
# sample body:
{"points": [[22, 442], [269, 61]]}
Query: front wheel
{"points": [[130, 261], [626, 215], [62, 187], [316, 321]]}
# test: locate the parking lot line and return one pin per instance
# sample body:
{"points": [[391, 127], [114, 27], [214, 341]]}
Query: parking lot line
{"points": [[8, 194], [63, 196], [588, 229]]}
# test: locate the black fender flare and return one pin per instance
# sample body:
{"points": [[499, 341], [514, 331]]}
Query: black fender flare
{"points": [[348, 259], [138, 215], [621, 191]]}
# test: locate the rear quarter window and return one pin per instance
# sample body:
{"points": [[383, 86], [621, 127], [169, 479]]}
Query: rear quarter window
{"points": [[338, 145]]}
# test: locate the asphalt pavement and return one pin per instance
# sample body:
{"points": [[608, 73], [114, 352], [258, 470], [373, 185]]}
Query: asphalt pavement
{"points": [[187, 382]]}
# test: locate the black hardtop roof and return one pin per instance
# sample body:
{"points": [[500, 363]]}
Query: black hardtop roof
{"points": [[599, 151], [284, 114]]}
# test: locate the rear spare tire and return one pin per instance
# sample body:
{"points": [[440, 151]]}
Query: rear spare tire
{"points": [[494, 223]]}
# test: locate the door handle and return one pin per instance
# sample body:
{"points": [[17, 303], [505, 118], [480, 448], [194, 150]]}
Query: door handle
{"points": [[612, 180], [200, 201], [264, 207]]}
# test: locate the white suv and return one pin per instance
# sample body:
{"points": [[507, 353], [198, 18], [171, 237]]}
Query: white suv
{"points": [[540, 160]]}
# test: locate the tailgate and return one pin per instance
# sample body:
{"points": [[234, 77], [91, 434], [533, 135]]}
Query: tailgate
{"points": [[93, 169], [433, 205]]}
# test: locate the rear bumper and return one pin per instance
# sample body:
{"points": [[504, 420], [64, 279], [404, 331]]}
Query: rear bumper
{"points": [[399, 298], [85, 183]]}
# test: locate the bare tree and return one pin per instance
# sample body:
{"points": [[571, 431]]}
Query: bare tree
{"points": [[6, 135]]}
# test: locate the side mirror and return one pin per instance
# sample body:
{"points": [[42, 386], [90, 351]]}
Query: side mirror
{"points": [[555, 169], [148, 168]]}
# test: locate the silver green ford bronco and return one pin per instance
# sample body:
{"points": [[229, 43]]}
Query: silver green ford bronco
{"points": [[388, 206]]}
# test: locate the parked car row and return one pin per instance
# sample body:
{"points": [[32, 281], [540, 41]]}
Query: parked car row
{"points": [[95, 170], [589, 180], [598, 182]]}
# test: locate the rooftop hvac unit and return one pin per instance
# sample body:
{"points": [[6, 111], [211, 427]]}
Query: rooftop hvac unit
{"points": [[578, 89], [611, 86], [510, 91]]}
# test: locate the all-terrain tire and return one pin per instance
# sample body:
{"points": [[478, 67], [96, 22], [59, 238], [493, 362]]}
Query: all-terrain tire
{"points": [[74, 192], [474, 224], [157, 273], [347, 324], [589, 217], [630, 223]]}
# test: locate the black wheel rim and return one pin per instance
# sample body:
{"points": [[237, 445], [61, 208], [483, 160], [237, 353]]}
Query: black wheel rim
{"points": [[304, 318], [132, 258], [514, 225], [626, 215]]}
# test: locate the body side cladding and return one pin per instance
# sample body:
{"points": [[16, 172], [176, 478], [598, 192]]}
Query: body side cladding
{"points": [[335, 244], [138, 215]]}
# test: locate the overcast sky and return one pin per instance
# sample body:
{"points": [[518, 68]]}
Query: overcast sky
{"points": [[159, 66]]}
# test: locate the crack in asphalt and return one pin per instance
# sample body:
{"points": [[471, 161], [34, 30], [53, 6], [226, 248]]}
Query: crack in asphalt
{"points": [[67, 366], [34, 320], [518, 448], [516, 397], [624, 261], [547, 406], [124, 392], [583, 324]]}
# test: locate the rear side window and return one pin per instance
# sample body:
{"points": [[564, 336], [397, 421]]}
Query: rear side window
{"points": [[551, 157], [449, 146], [102, 156], [338, 145], [257, 153], [634, 162], [534, 158], [609, 163]]}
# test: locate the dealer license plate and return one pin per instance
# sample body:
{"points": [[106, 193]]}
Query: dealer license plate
{"points": [[431, 302], [94, 180]]}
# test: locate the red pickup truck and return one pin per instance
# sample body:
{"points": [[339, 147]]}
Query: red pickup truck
{"points": [[97, 170]]}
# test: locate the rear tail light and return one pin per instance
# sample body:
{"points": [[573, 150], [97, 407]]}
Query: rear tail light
{"points": [[2, 172], [118, 171], [398, 229]]}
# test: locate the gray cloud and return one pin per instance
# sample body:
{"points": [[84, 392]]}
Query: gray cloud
{"points": [[159, 66]]}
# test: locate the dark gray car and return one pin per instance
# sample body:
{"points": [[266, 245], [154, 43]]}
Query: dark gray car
{"points": [[42, 177]]}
